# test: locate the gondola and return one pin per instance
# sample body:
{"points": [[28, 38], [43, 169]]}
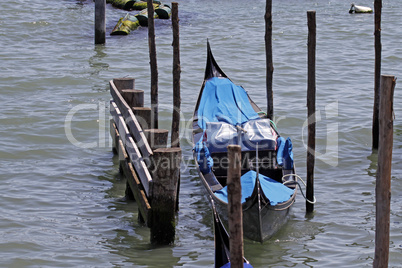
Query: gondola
{"points": [[224, 114], [222, 250]]}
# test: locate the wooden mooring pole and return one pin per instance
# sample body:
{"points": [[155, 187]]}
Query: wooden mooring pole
{"points": [[143, 115], [175, 137], [383, 180], [100, 21], [157, 138], [165, 170], [377, 71], [268, 53], [133, 97], [234, 207], [153, 64], [311, 90], [124, 83]]}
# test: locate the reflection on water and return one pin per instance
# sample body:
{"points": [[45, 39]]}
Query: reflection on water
{"points": [[372, 169], [96, 62]]}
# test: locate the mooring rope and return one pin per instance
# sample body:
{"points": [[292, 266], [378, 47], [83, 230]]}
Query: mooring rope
{"points": [[301, 190]]}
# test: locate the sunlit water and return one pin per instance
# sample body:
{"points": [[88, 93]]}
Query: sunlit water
{"points": [[61, 194]]}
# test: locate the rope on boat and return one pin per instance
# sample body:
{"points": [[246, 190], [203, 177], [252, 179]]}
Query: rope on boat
{"points": [[301, 190], [272, 122], [284, 208]]}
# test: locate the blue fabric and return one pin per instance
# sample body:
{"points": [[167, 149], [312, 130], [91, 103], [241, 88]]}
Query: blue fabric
{"points": [[276, 192], [284, 154], [223, 101], [279, 152], [245, 265], [204, 158]]}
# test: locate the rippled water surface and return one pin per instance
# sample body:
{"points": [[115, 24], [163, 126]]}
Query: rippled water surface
{"points": [[61, 195]]}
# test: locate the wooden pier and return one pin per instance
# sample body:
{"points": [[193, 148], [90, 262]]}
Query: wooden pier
{"points": [[152, 170]]}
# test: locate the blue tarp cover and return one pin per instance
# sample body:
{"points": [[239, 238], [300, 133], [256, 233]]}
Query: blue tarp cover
{"points": [[284, 155], [276, 192], [223, 101], [204, 158]]}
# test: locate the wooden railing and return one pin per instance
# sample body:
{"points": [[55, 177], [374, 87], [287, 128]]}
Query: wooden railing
{"points": [[151, 169]]}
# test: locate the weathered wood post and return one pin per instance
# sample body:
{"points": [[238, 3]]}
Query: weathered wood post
{"points": [[377, 70], [383, 180], [175, 137], [311, 90], [124, 82], [153, 64], [157, 138], [268, 53], [143, 115], [133, 97], [100, 21], [165, 170], [234, 207]]}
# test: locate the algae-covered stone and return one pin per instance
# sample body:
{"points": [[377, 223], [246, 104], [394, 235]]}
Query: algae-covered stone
{"points": [[140, 5], [142, 16], [123, 4], [163, 11], [125, 25]]}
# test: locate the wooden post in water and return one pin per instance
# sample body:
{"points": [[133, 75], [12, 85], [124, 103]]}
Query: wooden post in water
{"points": [[383, 180], [311, 90], [157, 138], [377, 70], [100, 21], [234, 207], [124, 82], [143, 115], [268, 54], [133, 97], [175, 137], [165, 170], [153, 64]]}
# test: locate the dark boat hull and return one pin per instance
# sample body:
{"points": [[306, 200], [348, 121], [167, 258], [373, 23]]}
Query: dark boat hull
{"points": [[259, 222]]}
